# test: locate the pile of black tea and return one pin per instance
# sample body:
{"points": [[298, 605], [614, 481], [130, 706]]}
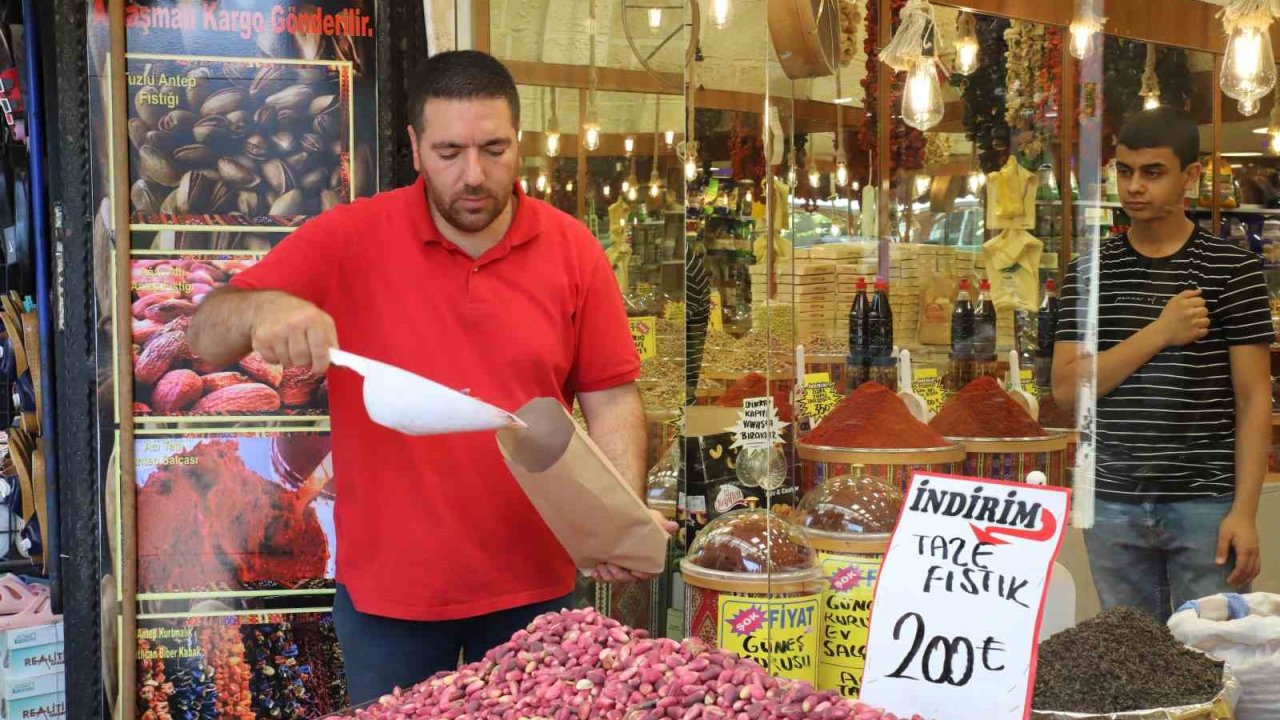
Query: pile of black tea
{"points": [[1121, 661]]}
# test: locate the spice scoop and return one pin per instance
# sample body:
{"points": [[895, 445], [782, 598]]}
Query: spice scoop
{"points": [[916, 404], [1022, 397], [411, 404]]}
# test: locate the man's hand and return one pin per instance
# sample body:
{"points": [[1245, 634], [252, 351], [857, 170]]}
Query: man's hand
{"points": [[291, 331], [1239, 530], [1184, 319], [612, 573]]}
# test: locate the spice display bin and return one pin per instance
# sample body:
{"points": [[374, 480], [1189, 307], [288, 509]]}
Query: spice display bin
{"points": [[1012, 458], [769, 616], [783, 382], [818, 463]]}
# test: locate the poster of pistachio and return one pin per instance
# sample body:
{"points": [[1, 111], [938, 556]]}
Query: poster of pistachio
{"points": [[237, 144]]}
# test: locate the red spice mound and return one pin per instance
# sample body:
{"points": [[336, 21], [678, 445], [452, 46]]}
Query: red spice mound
{"points": [[755, 385], [982, 409], [873, 417], [206, 520]]}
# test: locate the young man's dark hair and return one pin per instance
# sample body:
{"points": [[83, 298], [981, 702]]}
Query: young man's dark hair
{"points": [[1163, 127], [461, 75]]}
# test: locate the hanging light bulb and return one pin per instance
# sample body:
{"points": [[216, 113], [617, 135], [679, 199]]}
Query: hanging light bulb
{"points": [[719, 13], [842, 174], [1151, 102], [922, 184], [922, 101], [524, 186], [568, 187], [966, 44], [655, 18], [976, 181], [690, 170], [552, 138], [1150, 81], [751, 198], [857, 186], [815, 177], [1275, 144], [1081, 41], [552, 143], [654, 190], [626, 187], [655, 182], [1249, 67], [591, 132], [632, 194], [541, 183], [791, 176], [629, 144], [669, 137], [606, 190], [1084, 28], [1249, 108]]}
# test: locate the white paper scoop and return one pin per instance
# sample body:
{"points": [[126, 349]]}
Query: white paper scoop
{"points": [[916, 404], [1023, 398], [411, 404]]}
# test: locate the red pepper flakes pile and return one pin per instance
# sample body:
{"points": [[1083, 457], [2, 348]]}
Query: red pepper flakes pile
{"points": [[755, 385], [982, 409], [873, 417]]}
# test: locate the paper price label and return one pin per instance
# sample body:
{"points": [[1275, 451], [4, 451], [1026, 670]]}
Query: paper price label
{"points": [[1028, 378], [644, 333], [717, 312], [779, 634], [758, 426], [846, 619], [926, 383], [818, 397]]}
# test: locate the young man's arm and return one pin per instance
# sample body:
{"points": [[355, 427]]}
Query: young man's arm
{"points": [[1251, 380], [1184, 320]]}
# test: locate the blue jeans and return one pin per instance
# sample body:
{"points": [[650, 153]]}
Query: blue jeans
{"points": [[1157, 555], [381, 654]]}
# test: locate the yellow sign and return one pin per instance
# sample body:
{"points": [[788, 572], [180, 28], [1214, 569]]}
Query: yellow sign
{"points": [[1028, 377], [818, 396], [846, 616], [781, 633], [717, 312], [928, 385], [644, 333]]}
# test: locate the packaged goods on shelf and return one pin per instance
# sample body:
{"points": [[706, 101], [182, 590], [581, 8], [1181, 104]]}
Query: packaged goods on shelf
{"points": [[843, 251]]}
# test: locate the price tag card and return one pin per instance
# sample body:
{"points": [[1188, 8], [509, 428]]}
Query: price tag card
{"points": [[926, 383], [644, 333], [1028, 378], [717, 312], [818, 397], [960, 598]]}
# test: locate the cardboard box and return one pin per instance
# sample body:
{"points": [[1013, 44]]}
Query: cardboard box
{"points": [[40, 707], [32, 651]]}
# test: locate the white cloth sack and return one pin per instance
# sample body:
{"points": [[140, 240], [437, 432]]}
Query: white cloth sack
{"points": [[1244, 632]]}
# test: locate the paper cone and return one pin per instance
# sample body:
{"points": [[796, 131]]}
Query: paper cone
{"points": [[586, 503], [414, 405]]}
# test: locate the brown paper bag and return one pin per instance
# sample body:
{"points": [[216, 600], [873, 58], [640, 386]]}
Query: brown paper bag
{"points": [[586, 503]]}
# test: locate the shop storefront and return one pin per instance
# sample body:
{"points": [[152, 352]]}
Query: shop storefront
{"points": [[847, 234]]}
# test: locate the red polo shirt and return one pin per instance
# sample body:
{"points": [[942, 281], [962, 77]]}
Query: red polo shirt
{"points": [[436, 528]]}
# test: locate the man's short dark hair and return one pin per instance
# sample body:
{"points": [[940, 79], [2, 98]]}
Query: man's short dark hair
{"points": [[461, 75], [1163, 127]]}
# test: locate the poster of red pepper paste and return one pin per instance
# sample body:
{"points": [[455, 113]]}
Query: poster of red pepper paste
{"points": [[221, 513]]}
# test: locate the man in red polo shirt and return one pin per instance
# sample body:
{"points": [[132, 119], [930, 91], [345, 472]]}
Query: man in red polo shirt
{"points": [[463, 279]]}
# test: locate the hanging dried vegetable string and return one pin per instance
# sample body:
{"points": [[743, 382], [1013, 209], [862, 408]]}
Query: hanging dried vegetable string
{"points": [[984, 93], [849, 21], [1026, 56], [906, 144]]}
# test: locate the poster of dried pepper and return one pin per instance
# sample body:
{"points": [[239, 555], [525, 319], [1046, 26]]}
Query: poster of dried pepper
{"points": [[239, 667], [170, 382], [226, 513]]}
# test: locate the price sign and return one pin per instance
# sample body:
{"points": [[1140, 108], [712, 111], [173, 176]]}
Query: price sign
{"points": [[926, 383], [818, 396], [960, 598], [717, 312], [644, 333], [1028, 378]]}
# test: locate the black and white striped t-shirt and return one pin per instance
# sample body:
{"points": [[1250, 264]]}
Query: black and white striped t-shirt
{"points": [[1168, 431]]}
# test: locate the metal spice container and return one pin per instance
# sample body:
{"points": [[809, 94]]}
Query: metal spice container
{"points": [[752, 586]]}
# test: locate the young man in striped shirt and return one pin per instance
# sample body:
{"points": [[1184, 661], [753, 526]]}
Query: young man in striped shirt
{"points": [[1183, 385]]}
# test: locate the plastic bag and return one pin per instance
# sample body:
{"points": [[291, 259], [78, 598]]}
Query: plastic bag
{"points": [[1244, 632]]}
